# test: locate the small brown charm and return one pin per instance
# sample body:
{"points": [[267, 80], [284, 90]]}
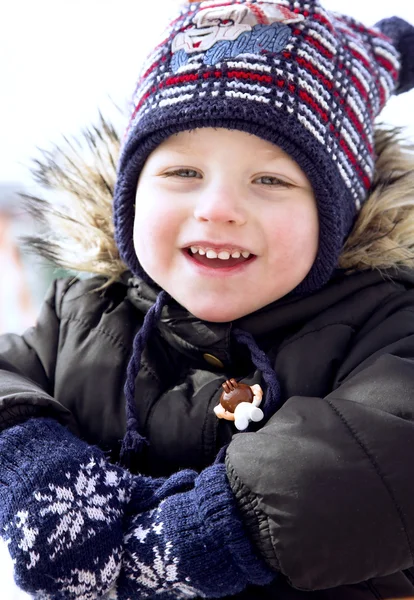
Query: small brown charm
{"points": [[234, 393], [240, 402]]}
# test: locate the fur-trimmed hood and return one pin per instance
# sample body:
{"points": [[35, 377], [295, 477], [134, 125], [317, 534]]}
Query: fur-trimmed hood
{"points": [[75, 213]]}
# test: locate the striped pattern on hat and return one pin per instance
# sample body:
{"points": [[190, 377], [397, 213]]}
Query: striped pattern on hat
{"points": [[309, 80]]}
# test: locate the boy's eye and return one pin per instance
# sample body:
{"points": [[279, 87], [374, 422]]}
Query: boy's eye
{"points": [[184, 173], [272, 181], [266, 180]]}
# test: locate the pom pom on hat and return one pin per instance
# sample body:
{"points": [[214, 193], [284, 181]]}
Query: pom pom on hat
{"points": [[402, 35]]}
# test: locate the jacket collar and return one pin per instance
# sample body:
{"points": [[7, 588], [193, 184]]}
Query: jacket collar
{"points": [[179, 328], [194, 337]]}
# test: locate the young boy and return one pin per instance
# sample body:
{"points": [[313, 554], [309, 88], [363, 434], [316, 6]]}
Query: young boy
{"points": [[248, 159]]}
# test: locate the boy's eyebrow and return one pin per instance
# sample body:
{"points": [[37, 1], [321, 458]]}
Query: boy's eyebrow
{"points": [[270, 153]]}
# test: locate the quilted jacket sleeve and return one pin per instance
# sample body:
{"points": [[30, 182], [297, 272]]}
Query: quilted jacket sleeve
{"points": [[27, 364], [326, 487]]}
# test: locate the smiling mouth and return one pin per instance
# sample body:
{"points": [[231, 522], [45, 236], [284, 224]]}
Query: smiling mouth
{"points": [[221, 260]]}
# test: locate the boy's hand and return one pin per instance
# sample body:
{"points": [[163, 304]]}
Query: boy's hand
{"points": [[78, 527]]}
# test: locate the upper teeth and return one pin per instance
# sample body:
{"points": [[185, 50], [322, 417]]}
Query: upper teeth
{"points": [[222, 254]]}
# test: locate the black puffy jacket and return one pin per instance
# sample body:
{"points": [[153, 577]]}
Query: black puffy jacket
{"points": [[326, 486]]}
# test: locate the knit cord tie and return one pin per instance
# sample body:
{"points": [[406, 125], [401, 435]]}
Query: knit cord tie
{"points": [[262, 362], [133, 442]]}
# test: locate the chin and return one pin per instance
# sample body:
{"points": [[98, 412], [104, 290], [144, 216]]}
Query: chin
{"points": [[215, 314]]}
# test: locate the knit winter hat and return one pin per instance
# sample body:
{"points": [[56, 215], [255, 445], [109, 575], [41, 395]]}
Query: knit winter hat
{"points": [[308, 80]]}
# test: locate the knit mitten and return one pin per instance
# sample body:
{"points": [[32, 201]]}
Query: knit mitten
{"points": [[80, 528], [193, 544], [61, 511]]}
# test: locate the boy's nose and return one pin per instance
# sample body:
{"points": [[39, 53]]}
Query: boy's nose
{"points": [[220, 206]]}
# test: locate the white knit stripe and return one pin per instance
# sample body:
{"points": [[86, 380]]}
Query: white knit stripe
{"points": [[316, 122], [191, 66], [351, 185], [354, 148], [358, 102], [311, 128], [373, 95], [176, 91], [357, 71], [348, 175], [359, 68], [246, 96], [312, 92], [351, 174], [385, 52], [314, 83], [169, 101], [254, 57], [324, 32], [249, 87], [363, 150], [198, 57], [360, 49], [344, 161], [388, 84], [285, 73], [384, 74], [248, 66], [363, 118], [313, 57], [322, 40], [344, 175], [143, 90], [151, 60]]}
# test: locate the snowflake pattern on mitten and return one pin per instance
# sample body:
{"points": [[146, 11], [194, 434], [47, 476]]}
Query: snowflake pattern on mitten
{"points": [[68, 518]]}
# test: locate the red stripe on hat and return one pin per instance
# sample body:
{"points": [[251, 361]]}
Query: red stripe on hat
{"points": [[175, 80], [150, 70], [309, 100], [388, 66], [247, 75], [383, 96], [314, 71], [321, 19], [208, 74], [361, 58], [358, 126], [359, 87], [363, 176], [140, 103], [348, 151], [319, 46]]}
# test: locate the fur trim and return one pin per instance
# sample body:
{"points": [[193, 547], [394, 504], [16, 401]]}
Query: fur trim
{"points": [[383, 235], [78, 232], [75, 216]]}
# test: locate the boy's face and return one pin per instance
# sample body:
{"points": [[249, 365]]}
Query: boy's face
{"points": [[216, 192]]}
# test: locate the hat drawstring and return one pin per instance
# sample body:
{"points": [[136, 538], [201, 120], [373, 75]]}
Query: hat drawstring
{"points": [[133, 442]]}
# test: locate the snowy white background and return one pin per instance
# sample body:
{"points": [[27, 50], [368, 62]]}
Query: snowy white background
{"points": [[62, 61]]}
